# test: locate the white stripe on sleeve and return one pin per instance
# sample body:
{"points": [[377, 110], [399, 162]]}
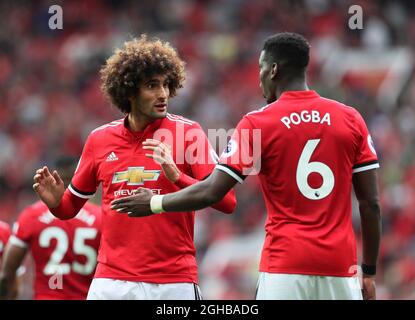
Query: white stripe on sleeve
{"points": [[17, 242], [80, 195], [365, 168], [230, 172]]}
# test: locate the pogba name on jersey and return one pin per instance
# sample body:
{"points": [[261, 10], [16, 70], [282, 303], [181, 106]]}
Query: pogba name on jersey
{"points": [[306, 116]]}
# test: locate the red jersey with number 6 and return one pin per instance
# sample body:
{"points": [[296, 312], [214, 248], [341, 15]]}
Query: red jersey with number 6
{"points": [[305, 149], [4, 237], [64, 251]]}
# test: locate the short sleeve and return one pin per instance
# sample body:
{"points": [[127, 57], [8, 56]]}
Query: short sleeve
{"points": [[84, 182], [22, 230], [4, 231], [4, 236], [242, 155], [366, 157]]}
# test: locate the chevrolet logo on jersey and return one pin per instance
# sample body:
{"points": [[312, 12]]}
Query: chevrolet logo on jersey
{"points": [[136, 176]]}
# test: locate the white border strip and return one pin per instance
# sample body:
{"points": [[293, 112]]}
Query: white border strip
{"points": [[80, 195], [179, 120], [21, 271], [111, 124], [230, 172], [17, 242], [365, 168]]}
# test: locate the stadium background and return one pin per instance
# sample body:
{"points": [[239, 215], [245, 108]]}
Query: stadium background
{"points": [[50, 100]]}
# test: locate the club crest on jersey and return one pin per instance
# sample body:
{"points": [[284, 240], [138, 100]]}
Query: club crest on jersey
{"points": [[135, 176], [230, 149], [371, 144]]}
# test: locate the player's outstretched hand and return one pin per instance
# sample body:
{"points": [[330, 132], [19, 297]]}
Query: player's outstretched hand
{"points": [[369, 288], [163, 156], [137, 205], [48, 186]]}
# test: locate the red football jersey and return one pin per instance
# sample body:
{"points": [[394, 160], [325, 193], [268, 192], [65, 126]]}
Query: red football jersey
{"points": [[4, 237], [64, 251], [306, 149], [159, 248]]}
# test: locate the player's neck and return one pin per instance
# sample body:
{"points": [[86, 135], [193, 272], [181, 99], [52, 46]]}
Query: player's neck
{"points": [[136, 123], [299, 84]]}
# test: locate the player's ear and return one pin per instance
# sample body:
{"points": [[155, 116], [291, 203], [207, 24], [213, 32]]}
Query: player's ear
{"points": [[274, 70]]}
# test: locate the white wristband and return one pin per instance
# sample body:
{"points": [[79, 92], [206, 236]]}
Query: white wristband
{"points": [[156, 203]]}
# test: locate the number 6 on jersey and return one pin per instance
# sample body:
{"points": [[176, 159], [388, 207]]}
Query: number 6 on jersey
{"points": [[305, 168]]}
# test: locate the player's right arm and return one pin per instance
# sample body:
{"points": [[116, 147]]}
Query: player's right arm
{"points": [[65, 204], [13, 258]]}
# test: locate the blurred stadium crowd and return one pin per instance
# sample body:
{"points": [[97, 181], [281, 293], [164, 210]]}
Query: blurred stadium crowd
{"points": [[50, 100]]}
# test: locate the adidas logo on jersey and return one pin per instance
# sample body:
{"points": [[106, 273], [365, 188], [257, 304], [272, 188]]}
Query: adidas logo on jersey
{"points": [[112, 157]]}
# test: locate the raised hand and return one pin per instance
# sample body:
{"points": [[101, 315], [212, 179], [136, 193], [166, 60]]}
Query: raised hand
{"points": [[137, 205], [48, 186], [162, 155]]}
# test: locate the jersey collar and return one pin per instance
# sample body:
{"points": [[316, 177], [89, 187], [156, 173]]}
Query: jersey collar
{"points": [[138, 135], [303, 94]]}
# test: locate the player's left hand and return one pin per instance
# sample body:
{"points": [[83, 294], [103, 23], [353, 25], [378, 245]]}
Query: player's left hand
{"points": [[137, 205], [369, 288], [163, 156]]}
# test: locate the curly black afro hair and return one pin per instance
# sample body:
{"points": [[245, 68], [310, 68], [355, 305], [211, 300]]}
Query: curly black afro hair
{"points": [[138, 60]]}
